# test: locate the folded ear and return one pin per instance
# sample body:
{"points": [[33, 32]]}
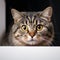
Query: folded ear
{"points": [[47, 13], [16, 15]]}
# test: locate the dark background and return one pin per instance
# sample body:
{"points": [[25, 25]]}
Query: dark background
{"points": [[35, 5]]}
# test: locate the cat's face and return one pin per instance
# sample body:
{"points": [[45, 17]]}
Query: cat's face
{"points": [[33, 28]]}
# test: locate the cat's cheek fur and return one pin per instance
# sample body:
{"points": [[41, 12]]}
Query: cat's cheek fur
{"points": [[26, 38], [23, 40], [16, 43], [42, 41]]}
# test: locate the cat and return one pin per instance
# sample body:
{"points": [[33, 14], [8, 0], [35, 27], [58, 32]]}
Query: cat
{"points": [[31, 28]]}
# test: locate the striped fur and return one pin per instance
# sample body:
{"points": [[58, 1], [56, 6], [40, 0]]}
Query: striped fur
{"points": [[38, 27]]}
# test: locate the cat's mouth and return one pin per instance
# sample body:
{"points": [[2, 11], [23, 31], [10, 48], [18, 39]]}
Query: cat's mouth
{"points": [[31, 39]]}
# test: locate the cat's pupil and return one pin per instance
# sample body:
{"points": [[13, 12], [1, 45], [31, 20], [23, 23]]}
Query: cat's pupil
{"points": [[39, 26], [24, 27]]}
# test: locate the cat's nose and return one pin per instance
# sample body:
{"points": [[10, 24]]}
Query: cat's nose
{"points": [[32, 33]]}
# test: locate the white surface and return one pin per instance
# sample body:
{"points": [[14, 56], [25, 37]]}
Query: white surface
{"points": [[2, 17], [29, 53]]}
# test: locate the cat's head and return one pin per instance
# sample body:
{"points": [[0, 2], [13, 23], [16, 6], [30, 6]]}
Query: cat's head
{"points": [[33, 28]]}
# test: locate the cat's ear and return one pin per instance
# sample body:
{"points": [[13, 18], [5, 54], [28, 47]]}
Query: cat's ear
{"points": [[16, 15], [47, 13]]}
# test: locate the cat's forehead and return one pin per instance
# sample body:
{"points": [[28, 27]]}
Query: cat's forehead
{"points": [[31, 18], [30, 14]]}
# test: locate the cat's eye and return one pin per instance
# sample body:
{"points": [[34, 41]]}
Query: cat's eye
{"points": [[24, 27], [39, 27]]}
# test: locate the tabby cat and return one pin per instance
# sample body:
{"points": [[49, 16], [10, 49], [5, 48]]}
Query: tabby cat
{"points": [[32, 28]]}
